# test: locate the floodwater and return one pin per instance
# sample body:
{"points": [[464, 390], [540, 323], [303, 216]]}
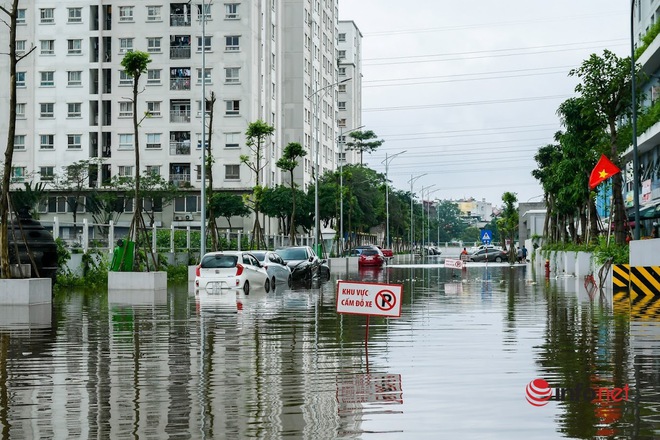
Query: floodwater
{"points": [[460, 362]]}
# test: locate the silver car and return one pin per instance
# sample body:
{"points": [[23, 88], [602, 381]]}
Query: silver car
{"points": [[277, 269], [231, 270]]}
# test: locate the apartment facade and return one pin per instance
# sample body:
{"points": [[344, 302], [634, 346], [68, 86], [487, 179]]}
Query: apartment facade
{"points": [[262, 60], [645, 15], [349, 101]]}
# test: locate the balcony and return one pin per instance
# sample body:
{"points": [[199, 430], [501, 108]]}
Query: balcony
{"points": [[179, 52], [180, 180], [180, 84], [180, 116], [180, 20], [180, 148]]}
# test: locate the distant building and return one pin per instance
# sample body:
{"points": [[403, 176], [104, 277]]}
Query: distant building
{"points": [[475, 212], [531, 218]]}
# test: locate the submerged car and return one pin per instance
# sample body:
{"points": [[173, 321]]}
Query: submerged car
{"points": [[231, 270], [371, 257], [489, 254], [305, 265], [277, 269]]}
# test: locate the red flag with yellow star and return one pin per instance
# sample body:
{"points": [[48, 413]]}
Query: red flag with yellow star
{"points": [[603, 170]]}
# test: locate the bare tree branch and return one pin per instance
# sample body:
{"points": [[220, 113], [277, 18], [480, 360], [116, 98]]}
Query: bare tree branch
{"points": [[26, 54], [3, 9]]}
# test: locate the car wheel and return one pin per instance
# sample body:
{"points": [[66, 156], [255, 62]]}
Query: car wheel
{"points": [[273, 282], [267, 285], [498, 259], [246, 287]]}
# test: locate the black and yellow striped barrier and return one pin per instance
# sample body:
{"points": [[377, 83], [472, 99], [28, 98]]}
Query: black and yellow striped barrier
{"points": [[620, 277], [645, 292]]}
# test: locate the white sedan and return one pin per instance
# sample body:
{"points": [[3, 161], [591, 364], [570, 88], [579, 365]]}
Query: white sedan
{"points": [[277, 269], [231, 270]]}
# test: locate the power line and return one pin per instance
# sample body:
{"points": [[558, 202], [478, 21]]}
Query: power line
{"points": [[400, 84], [466, 103], [471, 130]]}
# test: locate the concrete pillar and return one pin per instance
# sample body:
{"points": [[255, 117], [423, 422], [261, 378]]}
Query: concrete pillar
{"points": [[85, 236]]}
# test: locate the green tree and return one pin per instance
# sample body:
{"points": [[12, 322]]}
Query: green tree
{"points": [[257, 134], [449, 221], [364, 142], [507, 224], [14, 59], [155, 192], [288, 162], [228, 205], [135, 63], [606, 90]]}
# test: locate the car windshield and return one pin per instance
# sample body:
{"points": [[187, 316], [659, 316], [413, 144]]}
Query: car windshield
{"points": [[369, 252], [259, 255], [219, 261], [293, 254]]}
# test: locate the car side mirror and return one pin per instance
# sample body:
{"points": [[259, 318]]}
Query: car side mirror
{"points": [[323, 261], [311, 259]]}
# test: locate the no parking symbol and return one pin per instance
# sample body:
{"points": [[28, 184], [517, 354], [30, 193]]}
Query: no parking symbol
{"points": [[369, 298]]}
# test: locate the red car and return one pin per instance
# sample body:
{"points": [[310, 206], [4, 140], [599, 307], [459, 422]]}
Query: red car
{"points": [[386, 252], [371, 257]]}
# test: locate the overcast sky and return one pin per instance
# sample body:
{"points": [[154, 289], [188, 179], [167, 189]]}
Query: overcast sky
{"points": [[470, 89]]}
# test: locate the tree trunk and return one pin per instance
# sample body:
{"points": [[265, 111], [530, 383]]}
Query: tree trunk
{"points": [[9, 152], [292, 232], [620, 218], [593, 215], [212, 225]]}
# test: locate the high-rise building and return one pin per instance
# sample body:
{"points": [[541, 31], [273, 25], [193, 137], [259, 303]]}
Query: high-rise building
{"points": [[349, 101], [264, 60]]}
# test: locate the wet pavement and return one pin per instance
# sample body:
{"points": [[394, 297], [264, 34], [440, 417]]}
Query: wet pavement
{"points": [[486, 353]]}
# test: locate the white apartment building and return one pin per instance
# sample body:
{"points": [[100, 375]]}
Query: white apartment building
{"points": [[263, 60], [646, 15], [349, 101]]}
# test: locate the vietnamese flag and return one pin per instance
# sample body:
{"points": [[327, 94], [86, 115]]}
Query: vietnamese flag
{"points": [[603, 170]]}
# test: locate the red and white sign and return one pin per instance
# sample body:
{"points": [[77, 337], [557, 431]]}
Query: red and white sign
{"points": [[369, 298], [370, 388], [453, 264]]}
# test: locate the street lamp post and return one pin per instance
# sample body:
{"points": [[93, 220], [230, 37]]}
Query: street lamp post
{"points": [[387, 196], [428, 215], [424, 188], [634, 120], [317, 130], [412, 226], [202, 246], [341, 185]]}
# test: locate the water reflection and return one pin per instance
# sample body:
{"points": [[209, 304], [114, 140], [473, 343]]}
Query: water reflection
{"points": [[285, 364]]}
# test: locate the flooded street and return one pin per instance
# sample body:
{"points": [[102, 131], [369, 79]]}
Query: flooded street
{"points": [[460, 362]]}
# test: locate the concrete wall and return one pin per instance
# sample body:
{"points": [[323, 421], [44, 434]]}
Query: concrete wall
{"points": [[645, 252]]}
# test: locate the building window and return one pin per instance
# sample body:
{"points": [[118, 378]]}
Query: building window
{"points": [[126, 141], [73, 110], [19, 142], [232, 75], [341, 88], [73, 141], [75, 15], [232, 172], [18, 174], [342, 71], [232, 140], [20, 16], [20, 110], [47, 173], [125, 170], [47, 79], [47, 47], [153, 140], [207, 76], [341, 105], [74, 78], [20, 79], [126, 109], [341, 54], [47, 141], [207, 14], [154, 170], [232, 43], [153, 13], [153, 108], [153, 44], [20, 47], [74, 47], [341, 123], [153, 76], [341, 37], [47, 15], [232, 108], [207, 44], [231, 11], [125, 79], [126, 13], [46, 110], [125, 45]]}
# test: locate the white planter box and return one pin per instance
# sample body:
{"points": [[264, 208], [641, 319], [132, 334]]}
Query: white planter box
{"points": [[138, 297], [26, 291], [17, 317], [137, 280], [191, 273]]}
